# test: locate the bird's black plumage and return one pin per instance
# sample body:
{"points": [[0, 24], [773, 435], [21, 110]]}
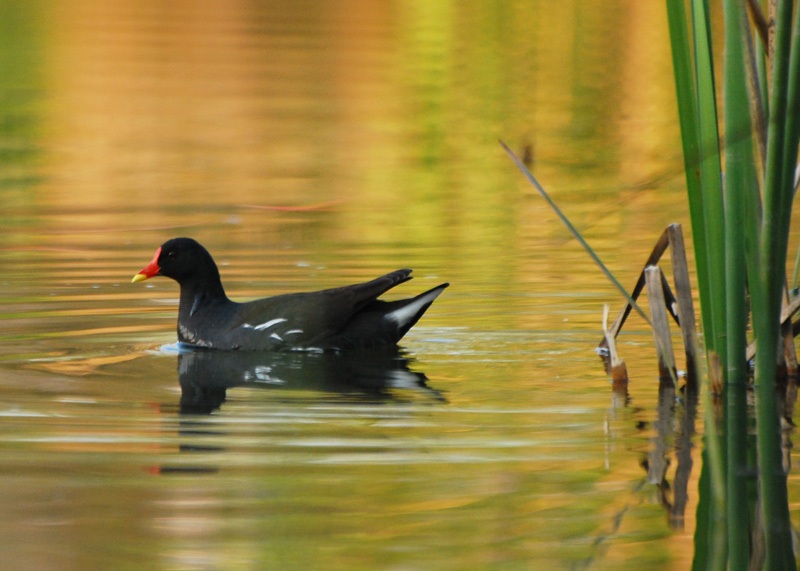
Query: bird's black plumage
{"points": [[348, 317]]}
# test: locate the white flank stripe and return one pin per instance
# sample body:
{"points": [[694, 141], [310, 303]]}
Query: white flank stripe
{"points": [[269, 324]]}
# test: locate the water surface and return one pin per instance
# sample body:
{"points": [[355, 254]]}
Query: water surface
{"points": [[311, 146]]}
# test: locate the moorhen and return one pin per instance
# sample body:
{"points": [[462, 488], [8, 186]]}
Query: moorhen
{"points": [[349, 317]]}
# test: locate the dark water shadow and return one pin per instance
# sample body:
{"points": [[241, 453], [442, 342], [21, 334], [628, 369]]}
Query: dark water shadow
{"points": [[206, 376]]}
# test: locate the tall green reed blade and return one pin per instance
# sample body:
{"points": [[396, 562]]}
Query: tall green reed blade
{"points": [[711, 179], [710, 536], [690, 138], [792, 136], [574, 231], [739, 181], [793, 123], [767, 291]]}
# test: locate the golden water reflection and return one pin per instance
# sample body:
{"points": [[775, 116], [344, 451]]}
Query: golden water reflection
{"points": [[311, 145]]}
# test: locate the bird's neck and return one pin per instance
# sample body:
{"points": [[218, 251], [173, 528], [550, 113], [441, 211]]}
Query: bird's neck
{"points": [[196, 295]]}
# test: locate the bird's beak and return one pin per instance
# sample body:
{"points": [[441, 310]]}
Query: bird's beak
{"points": [[149, 270]]}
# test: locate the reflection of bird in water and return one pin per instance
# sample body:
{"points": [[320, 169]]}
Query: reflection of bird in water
{"points": [[205, 375]]}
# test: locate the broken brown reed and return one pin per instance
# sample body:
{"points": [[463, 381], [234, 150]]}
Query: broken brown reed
{"points": [[658, 316], [663, 301], [789, 351], [615, 367], [679, 306], [789, 310]]}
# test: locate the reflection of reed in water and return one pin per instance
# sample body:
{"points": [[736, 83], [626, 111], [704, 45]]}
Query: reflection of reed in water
{"points": [[674, 428]]}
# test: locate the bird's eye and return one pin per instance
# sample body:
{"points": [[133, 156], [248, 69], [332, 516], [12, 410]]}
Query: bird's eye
{"points": [[171, 254]]}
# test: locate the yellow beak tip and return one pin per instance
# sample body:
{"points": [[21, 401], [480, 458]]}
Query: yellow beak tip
{"points": [[138, 278]]}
